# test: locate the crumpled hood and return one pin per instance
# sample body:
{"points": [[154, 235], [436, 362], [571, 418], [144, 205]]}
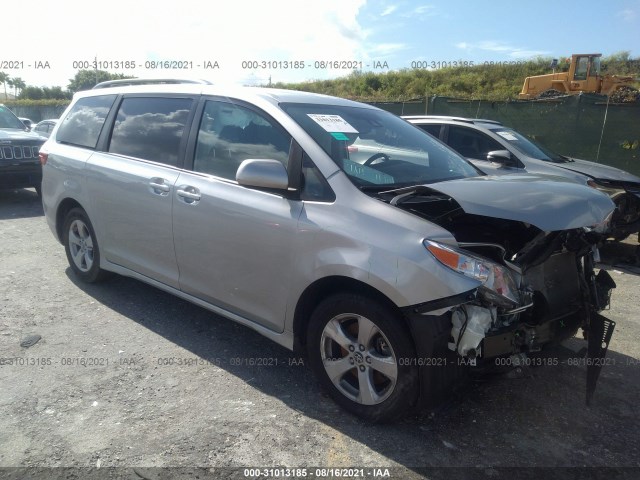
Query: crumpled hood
{"points": [[13, 135], [545, 202], [598, 170]]}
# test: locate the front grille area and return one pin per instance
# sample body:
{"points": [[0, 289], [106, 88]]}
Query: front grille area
{"points": [[19, 152]]}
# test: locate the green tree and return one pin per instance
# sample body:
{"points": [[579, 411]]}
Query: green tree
{"points": [[56, 93], [4, 77], [18, 85], [87, 79], [34, 93], [10, 83]]}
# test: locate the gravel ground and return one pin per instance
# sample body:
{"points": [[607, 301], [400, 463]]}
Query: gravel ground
{"points": [[125, 375]]}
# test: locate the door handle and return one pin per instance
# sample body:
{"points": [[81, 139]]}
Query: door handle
{"points": [[189, 194], [158, 186]]}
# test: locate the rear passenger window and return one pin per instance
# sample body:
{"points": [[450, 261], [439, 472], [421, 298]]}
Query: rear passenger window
{"points": [[150, 128], [83, 123], [230, 134]]}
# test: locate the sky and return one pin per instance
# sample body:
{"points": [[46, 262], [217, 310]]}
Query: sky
{"points": [[252, 42]]}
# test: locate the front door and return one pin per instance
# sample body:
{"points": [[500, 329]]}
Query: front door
{"points": [[234, 245]]}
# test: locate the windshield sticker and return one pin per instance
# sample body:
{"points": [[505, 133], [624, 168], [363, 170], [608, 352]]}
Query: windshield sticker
{"points": [[368, 174], [332, 123], [508, 136], [339, 136]]}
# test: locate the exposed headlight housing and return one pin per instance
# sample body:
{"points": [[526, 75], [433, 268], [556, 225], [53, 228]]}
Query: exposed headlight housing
{"points": [[498, 283]]}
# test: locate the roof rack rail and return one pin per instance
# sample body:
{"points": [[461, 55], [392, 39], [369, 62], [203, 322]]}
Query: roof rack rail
{"points": [[449, 117], [146, 81]]}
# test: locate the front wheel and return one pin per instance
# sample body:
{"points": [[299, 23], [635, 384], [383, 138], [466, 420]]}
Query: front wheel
{"points": [[81, 246], [360, 349]]}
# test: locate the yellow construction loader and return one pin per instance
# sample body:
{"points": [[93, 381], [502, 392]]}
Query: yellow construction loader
{"points": [[583, 76]]}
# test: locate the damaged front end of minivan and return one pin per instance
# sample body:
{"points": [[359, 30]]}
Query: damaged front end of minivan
{"points": [[536, 271]]}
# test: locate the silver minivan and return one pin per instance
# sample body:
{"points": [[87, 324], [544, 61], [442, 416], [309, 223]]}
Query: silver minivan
{"points": [[396, 274]]}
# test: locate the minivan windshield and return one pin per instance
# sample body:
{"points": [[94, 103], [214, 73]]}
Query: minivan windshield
{"points": [[377, 149], [527, 146], [9, 120]]}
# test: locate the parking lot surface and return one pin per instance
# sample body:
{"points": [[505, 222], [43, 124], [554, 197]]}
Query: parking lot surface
{"points": [[125, 375]]}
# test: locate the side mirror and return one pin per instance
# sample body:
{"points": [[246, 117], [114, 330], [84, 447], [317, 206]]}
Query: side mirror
{"points": [[503, 157], [262, 173]]}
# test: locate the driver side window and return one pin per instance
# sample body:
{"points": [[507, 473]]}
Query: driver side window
{"points": [[471, 143], [230, 134]]}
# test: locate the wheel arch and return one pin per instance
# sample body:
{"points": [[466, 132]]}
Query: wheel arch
{"points": [[324, 288], [64, 208]]}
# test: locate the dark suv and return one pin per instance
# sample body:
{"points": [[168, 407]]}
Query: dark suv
{"points": [[498, 150], [19, 164]]}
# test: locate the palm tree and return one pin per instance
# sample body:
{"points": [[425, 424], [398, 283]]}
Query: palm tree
{"points": [[9, 82], [18, 84], [3, 80]]}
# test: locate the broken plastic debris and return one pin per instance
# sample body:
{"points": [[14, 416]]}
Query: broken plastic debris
{"points": [[478, 321]]}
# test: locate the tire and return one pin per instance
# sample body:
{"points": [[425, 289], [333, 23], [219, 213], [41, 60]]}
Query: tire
{"points": [[355, 346], [81, 246]]}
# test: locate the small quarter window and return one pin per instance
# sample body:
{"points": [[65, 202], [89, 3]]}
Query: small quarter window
{"points": [[315, 188]]}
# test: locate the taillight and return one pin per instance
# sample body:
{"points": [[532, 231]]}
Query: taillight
{"points": [[43, 156]]}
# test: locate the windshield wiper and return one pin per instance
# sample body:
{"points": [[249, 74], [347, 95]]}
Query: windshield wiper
{"points": [[402, 194]]}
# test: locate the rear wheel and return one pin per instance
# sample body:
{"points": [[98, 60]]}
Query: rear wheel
{"points": [[359, 348], [81, 246]]}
